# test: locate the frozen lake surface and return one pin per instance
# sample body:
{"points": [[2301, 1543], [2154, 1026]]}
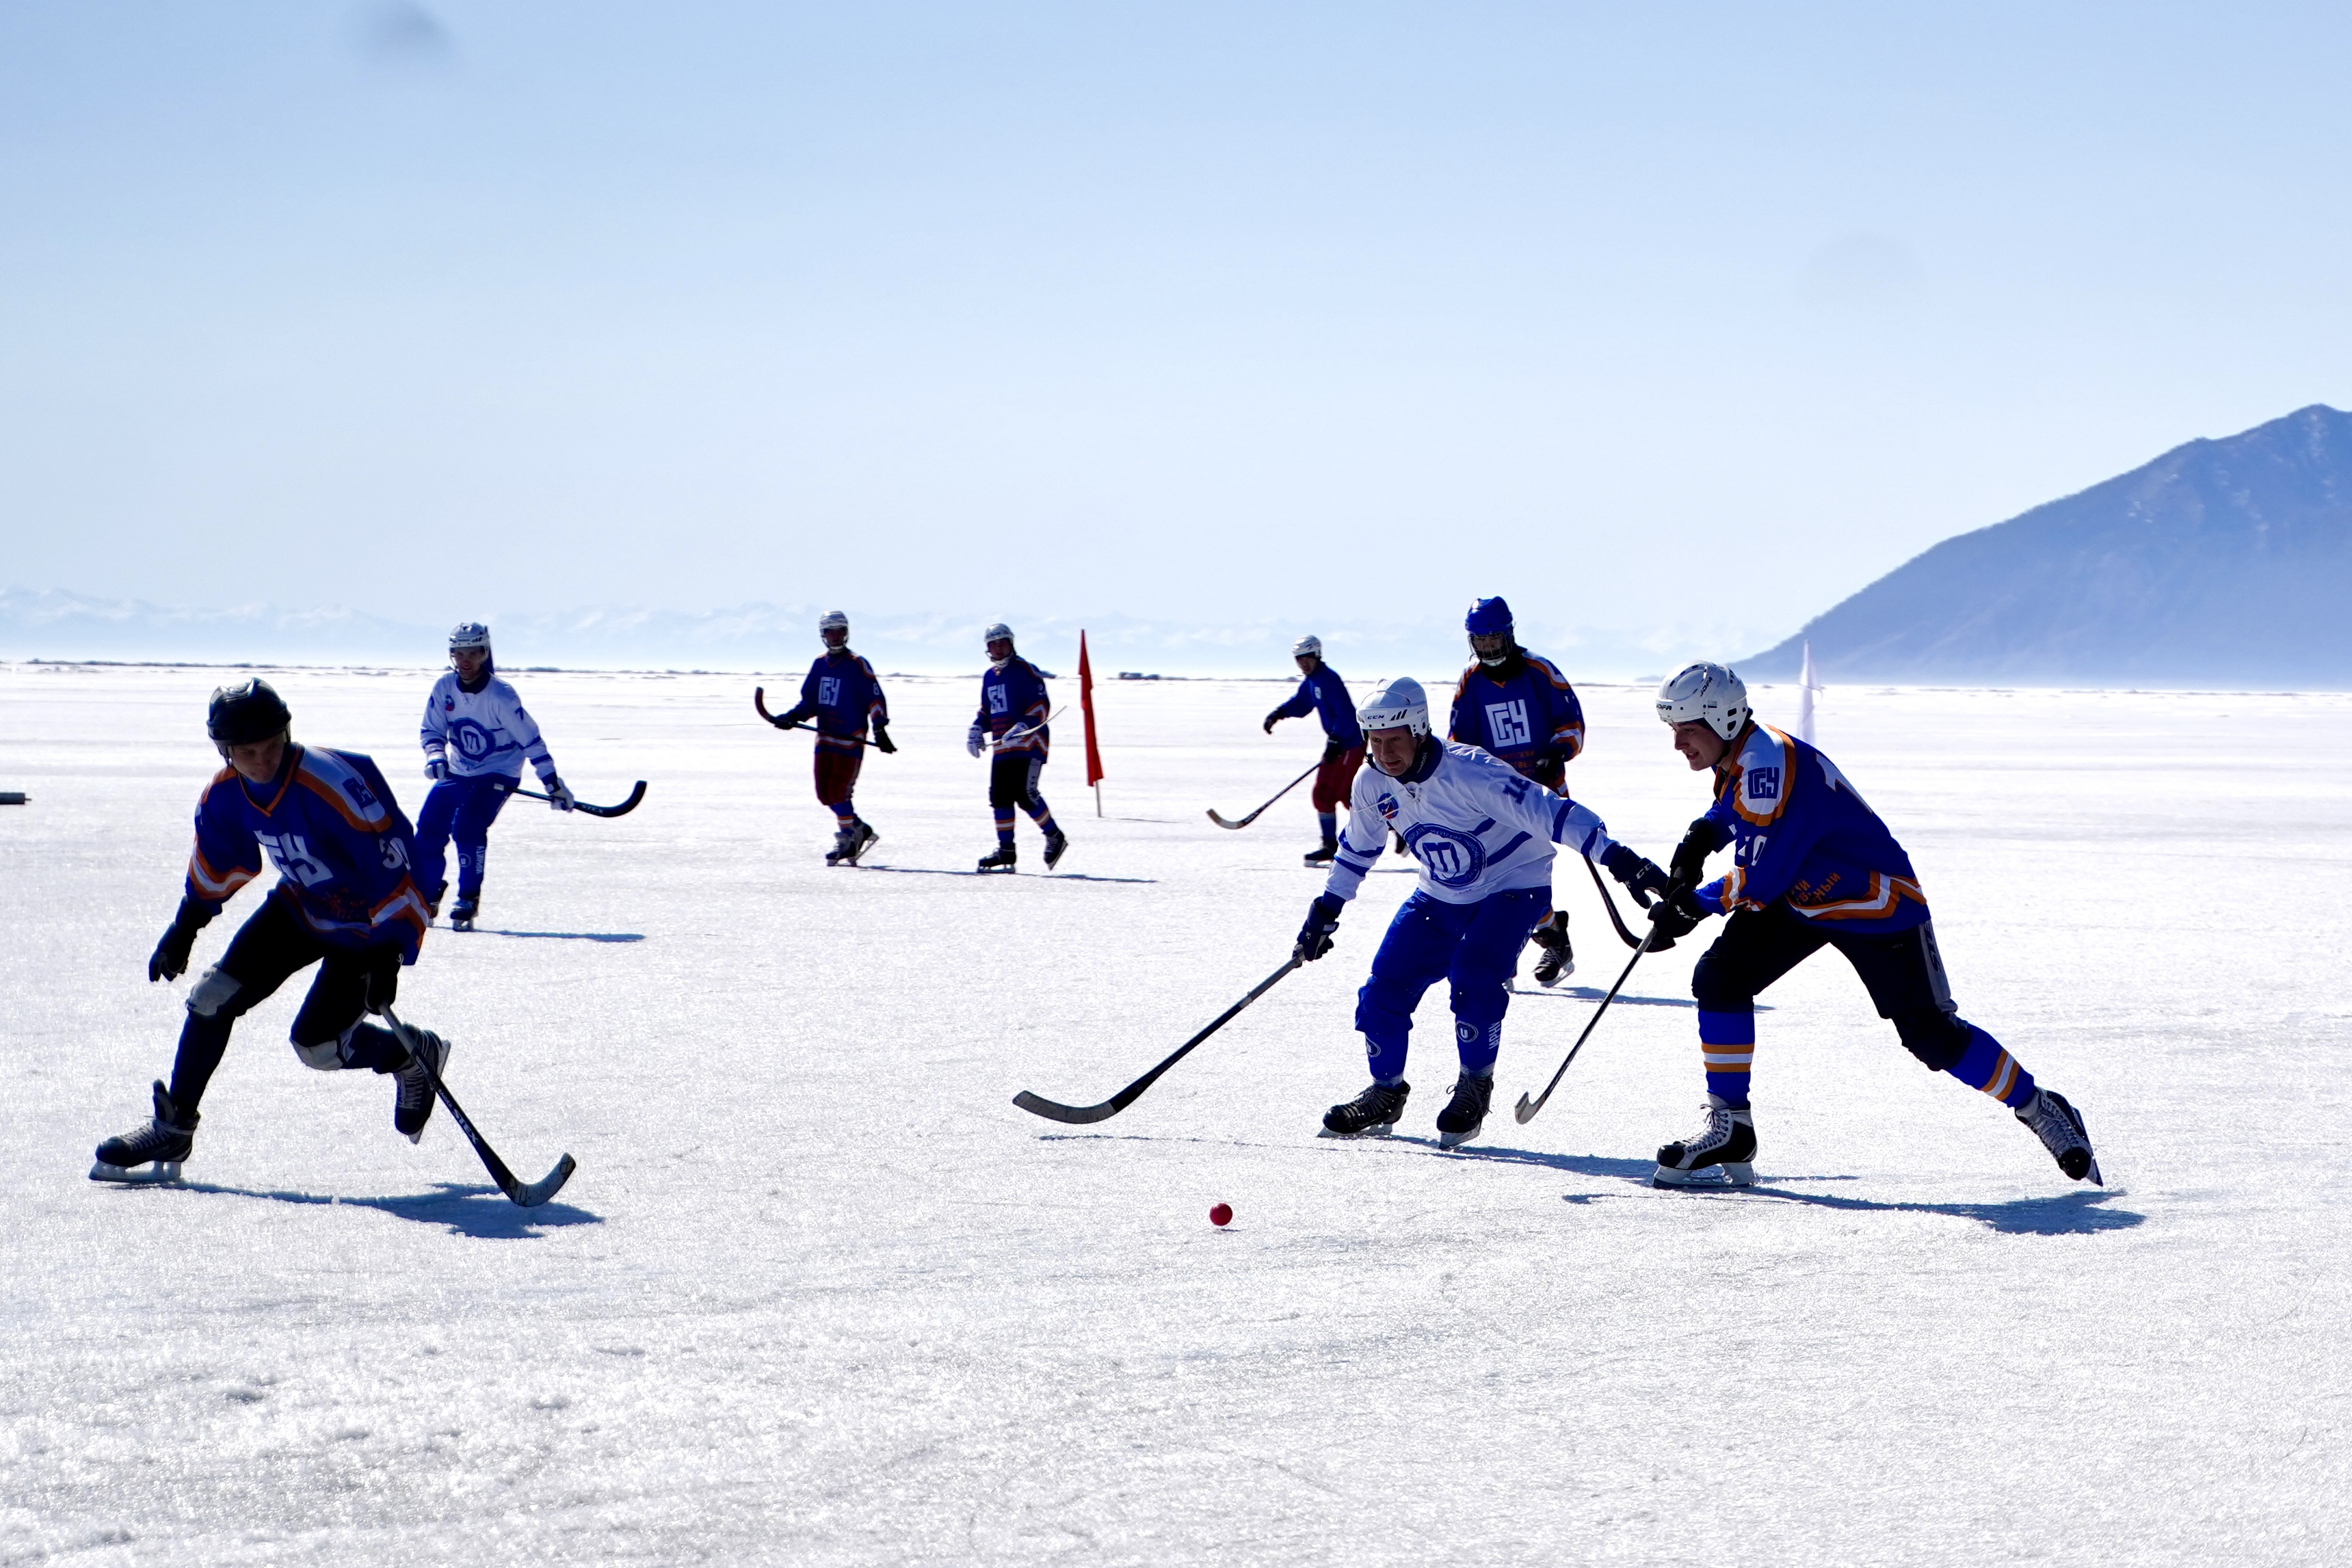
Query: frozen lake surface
{"points": [[819, 1294]]}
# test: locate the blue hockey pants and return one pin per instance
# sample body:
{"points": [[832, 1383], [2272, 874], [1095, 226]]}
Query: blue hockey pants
{"points": [[462, 808], [1474, 946]]}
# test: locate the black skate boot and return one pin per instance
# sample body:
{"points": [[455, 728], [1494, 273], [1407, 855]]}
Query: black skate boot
{"points": [[1371, 1114], [862, 837], [1321, 853], [413, 1107], [1056, 843], [1467, 1111], [161, 1145], [2058, 1126], [1002, 859], [462, 913], [1717, 1154], [1559, 960]]}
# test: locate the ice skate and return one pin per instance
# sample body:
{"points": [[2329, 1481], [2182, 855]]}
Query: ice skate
{"points": [[1467, 1111], [1559, 960], [413, 1107], [1056, 843], [1368, 1114], [1002, 859], [462, 913], [1321, 853], [2058, 1126], [849, 843], [1718, 1154], [160, 1145]]}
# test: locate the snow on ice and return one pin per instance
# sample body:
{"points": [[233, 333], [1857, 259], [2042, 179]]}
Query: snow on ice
{"points": [[819, 1294]]}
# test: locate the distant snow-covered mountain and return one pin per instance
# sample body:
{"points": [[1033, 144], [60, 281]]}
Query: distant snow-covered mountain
{"points": [[2223, 562]]}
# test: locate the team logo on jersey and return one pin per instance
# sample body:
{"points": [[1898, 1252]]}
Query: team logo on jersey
{"points": [[448, 705], [473, 743], [1764, 783], [1507, 724], [293, 858], [1451, 857], [1387, 805], [996, 699], [828, 690]]}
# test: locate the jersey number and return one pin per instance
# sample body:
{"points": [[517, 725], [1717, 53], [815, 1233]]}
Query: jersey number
{"points": [[292, 857], [1508, 723]]}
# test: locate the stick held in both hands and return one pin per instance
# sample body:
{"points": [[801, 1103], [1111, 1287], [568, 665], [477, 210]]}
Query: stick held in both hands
{"points": [[1278, 795], [1081, 1115]]}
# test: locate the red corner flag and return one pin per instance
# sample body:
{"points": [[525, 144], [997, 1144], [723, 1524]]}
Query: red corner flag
{"points": [[1086, 707]]}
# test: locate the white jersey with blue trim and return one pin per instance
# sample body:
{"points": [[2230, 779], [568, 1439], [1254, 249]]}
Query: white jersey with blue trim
{"points": [[482, 732], [1475, 824]]}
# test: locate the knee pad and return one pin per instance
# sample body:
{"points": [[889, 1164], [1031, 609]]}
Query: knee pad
{"points": [[1715, 990], [1936, 1037], [214, 996], [327, 1055]]}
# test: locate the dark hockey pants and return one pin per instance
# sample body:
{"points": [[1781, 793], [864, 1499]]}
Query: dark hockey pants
{"points": [[1474, 946], [1904, 973], [271, 946]]}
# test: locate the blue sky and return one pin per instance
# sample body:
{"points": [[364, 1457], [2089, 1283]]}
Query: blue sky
{"points": [[1688, 317]]}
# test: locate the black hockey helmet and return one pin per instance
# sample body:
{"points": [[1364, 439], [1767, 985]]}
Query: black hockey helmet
{"points": [[245, 713]]}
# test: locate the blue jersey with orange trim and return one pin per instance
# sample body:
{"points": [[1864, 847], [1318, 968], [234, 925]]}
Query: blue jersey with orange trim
{"points": [[330, 825], [1325, 694], [1803, 834], [1528, 717], [844, 693], [1015, 698]]}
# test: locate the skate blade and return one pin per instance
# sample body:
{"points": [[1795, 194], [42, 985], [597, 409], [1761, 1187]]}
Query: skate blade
{"points": [[1565, 971], [1382, 1131], [1455, 1140], [1729, 1174], [163, 1172]]}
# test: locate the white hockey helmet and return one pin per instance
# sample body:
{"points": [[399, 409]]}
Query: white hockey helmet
{"points": [[1310, 643], [833, 620], [469, 634], [1707, 693], [999, 631], [1397, 702]]}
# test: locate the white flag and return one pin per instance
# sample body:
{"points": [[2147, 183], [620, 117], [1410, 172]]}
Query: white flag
{"points": [[1807, 685]]}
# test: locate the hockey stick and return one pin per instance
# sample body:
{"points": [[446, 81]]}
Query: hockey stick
{"points": [[525, 1195], [1010, 735], [1525, 1111], [1278, 794], [759, 701], [1081, 1115], [622, 809], [1611, 904]]}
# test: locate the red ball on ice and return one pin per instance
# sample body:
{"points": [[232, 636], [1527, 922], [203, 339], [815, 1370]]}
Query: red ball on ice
{"points": [[1221, 1215]]}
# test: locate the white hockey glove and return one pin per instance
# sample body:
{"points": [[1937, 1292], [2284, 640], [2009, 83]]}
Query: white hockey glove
{"points": [[972, 741], [437, 768], [559, 795]]}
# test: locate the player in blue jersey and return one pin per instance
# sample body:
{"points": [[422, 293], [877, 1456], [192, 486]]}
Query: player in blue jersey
{"points": [[1483, 836], [1812, 867], [1321, 692], [843, 695], [1014, 708], [343, 900], [1521, 708], [475, 737]]}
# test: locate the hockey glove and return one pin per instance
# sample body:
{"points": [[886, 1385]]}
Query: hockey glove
{"points": [[1332, 752], [1271, 720], [437, 768], [381, 981], [1647, 881], [882, 741], [1689, 864], [1550, 772], [791, 718], [559, 795], [1675, 916], [972, 741], [170, 959], [1315, 937]]}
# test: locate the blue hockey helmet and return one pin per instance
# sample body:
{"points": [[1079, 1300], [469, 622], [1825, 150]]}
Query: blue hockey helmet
{"points": [[1487, 617]]}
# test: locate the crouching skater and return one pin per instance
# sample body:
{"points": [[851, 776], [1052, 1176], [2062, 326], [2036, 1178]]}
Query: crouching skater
{"points": [[1812, 867], [1483, 834], [343, 900]]}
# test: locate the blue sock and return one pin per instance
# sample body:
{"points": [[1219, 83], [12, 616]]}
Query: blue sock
{"points": [[1986, 1066], [1331, 820], [1727, 1044]]}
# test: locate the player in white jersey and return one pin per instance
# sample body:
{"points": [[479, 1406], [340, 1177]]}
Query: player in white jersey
{"points": [[1484, 835], [476, 736]]}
